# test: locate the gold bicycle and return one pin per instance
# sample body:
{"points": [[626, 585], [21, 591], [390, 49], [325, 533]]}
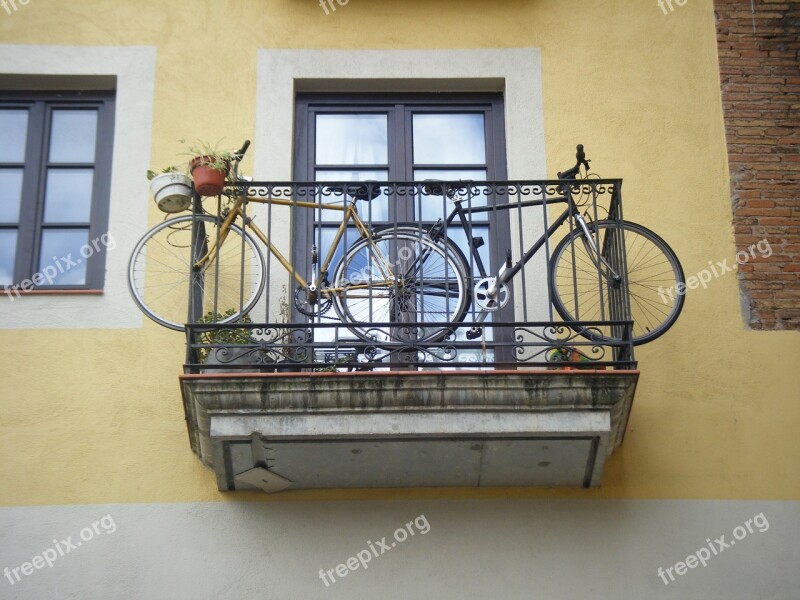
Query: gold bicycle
{"points": [[215, 261]]}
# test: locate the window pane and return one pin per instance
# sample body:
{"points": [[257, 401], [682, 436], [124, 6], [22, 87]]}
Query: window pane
{"points": [[68, 198], [10, 194], [432, 207], [60, 248], [459, 236], [352, 140], [324, 238], [14, 128], [449, 139], [450, 174], [73, 135], [375, 210], [8, 252]]}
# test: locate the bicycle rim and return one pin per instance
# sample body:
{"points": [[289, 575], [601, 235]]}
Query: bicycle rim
{"points": [[161, 278], [430, 288], [653, 274]]}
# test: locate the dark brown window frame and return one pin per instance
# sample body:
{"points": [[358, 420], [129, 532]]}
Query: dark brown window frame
{"points": [[40, 105], [401, 107]]}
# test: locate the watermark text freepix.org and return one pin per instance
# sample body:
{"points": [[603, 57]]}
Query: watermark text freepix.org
{"points": [[717, 269], [663, 4], [10, 6], [61, 265], [714, 548], [374, 550], [327, 4], [60, 548]]}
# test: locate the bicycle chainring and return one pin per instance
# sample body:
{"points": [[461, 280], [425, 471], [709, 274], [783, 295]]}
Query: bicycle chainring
{"points": [[318, 308], [487, 303]]}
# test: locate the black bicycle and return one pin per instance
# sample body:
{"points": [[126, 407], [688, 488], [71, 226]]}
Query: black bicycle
{"points": [[603, 270]]}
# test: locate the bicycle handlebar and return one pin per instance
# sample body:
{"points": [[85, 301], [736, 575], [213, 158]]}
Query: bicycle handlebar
{"points": [[241, 151], [582, 161]]}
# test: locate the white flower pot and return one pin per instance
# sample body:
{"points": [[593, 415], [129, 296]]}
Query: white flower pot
{"points": [[172, 192]]}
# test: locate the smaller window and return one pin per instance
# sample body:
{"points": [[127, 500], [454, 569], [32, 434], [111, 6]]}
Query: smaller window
{"points": [[55, 170]]}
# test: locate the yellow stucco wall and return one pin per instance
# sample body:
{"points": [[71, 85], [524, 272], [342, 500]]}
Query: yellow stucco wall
{"points": [[95, 416]]}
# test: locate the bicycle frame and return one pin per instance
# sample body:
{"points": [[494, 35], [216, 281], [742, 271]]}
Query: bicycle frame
{"points": [[508, 273], [315, 286]]}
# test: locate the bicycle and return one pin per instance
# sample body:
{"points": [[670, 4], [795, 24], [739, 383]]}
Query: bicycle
{"points": [[394, 277], [407, 274], [624, 264]]}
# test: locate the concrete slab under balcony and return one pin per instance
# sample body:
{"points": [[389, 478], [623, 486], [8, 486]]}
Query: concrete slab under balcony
{"points": [[277, 431]]}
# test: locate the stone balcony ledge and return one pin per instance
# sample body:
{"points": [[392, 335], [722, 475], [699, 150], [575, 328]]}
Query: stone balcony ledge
{"points": [[407, 428]]}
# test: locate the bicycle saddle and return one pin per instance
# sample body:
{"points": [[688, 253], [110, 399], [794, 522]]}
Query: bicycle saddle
{"points": [[359, 191]]}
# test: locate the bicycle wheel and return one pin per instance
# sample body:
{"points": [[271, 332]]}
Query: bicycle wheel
{"points": [[161, 276], [581, 293], [430, 288]]}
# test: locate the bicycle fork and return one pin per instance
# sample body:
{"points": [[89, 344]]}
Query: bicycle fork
{"points": [[589, 240]]}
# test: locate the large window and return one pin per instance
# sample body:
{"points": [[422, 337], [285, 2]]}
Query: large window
{"points": [[403, 138], [55, 168]]}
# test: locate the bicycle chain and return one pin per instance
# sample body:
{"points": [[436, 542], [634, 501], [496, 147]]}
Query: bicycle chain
{"points": [[322, 306]]}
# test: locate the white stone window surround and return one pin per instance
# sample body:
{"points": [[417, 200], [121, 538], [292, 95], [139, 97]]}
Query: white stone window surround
{"points": [[134, 68], [516, 72]]}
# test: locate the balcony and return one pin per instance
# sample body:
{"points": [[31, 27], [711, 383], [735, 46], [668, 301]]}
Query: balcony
{"points": [[469, 377]]}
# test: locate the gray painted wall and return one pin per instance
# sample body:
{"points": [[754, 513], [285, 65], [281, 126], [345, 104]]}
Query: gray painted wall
{"points": [[472, 549]]}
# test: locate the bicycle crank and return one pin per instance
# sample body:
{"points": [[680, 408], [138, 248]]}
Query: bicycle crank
{"points": [[483, 298], [311, 304]]}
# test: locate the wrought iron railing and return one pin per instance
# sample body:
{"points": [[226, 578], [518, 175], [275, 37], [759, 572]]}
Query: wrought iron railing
{"points": [[496, 300]]}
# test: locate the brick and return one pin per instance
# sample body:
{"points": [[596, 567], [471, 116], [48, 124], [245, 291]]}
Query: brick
{"points": [[760, 84]]}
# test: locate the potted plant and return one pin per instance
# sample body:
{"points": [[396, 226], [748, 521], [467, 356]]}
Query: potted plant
{"points": [[235, 344], [208, 167], [172, 190], [564, 358]]}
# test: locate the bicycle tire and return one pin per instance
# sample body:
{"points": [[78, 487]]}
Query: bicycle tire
{"points": [[366, 297], [160, 272], [652, 279]]}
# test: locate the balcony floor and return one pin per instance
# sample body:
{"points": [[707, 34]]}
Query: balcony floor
{"points": [[407, 428]]}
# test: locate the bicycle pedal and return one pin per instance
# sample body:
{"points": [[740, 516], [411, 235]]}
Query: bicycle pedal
{"points": [[474, 333], [477, 242]]}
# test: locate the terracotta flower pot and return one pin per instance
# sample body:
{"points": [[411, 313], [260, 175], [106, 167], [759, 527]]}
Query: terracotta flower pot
{"points": [[207, 180]]}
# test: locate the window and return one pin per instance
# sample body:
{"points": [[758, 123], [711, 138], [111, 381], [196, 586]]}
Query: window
{"points": [[55, 168], [411, 137], [403, 137]]}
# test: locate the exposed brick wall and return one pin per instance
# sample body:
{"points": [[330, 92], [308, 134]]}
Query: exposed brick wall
{"points": [[760, 74]]}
